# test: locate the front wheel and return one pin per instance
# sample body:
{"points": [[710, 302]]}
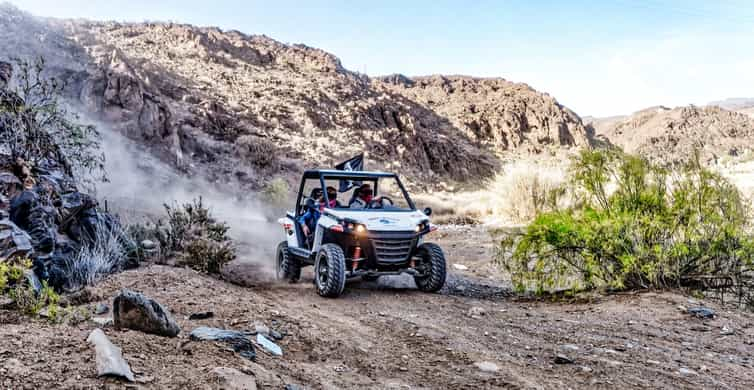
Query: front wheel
{"points": [[432, 267], [330, 271], [287, 267]]}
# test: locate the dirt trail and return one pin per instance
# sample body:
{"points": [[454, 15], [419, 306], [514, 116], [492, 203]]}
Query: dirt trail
{"points": [[377, 337]]}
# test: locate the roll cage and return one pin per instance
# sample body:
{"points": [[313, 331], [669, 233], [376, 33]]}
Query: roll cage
{"points": [[357, 176]]}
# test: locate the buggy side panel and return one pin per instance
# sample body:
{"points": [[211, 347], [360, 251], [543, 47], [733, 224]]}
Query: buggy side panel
{"points": [[293, 233]]}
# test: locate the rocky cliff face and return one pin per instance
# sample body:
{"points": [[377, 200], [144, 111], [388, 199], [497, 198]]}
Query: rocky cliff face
{"points": [[246, 106], [672, 135], [494, 112]]}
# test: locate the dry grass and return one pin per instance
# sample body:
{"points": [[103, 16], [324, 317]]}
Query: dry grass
{"points": [[106, 253], [513, 197]]}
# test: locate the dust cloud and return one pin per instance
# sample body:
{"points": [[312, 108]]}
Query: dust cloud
{"points": [[140, 184]]}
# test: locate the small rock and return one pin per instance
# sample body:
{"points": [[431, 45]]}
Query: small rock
{"points": [[476, 312], [201, 315], [725, 331], [135, 311], [686, 371], [562, 359], [487, 366], [232, 379], [262, 329], [103, 321], [702, 312], [237, 340], [292, 387], [276, 335], [148, 244], [460, 267], [570, 347], [586, 369], [109, 358], [268, 345], [101, 308]]}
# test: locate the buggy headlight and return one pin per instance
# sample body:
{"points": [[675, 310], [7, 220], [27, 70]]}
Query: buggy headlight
{"points": [[359, 228]]}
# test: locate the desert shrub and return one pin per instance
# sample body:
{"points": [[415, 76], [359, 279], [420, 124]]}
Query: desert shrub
{"points": [[633, 225], [276, 191], [12, 272], [14, 285], [38, 129], [259, 151], [107, 252], [195, 237]]}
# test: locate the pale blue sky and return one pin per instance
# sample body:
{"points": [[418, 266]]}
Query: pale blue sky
{"points": [[596, 57]]}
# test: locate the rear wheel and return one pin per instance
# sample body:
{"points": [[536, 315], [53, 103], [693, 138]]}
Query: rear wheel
{"points": [[330, 271], [432, 267], [288, 267]]}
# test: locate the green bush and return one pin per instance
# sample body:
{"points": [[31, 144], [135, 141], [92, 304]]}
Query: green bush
{"points": [[633, 225], [14, 285], [195, 238]]}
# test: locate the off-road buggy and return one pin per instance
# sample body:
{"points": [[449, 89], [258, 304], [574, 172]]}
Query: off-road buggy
{"points": [[384, 238]]}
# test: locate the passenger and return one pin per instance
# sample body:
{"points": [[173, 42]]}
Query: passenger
{"points": [[363, 197], [332, 199]]}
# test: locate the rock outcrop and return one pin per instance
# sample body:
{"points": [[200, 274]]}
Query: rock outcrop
{"points": [[493, 111], [673, 135], [43, 216]]}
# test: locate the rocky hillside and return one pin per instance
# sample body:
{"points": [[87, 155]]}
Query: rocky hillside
{"points": [[248, 106], [494, 112], [671, 135]]}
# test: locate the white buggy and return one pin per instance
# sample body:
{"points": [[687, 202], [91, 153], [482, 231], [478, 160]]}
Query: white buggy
{"points": [[386, 237]]}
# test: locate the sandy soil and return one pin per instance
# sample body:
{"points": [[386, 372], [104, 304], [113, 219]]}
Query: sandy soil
{"points": [[380, 337]]}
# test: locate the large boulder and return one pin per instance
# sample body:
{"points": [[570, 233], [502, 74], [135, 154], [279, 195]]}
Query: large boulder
{"points": [[133, 310], [14, 242], [37, 219]]}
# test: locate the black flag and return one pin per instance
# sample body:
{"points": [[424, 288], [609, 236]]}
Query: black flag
{"points": [[355, 163]]}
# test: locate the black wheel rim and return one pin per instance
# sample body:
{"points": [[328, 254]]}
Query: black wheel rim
{"points": [[322, 271]]}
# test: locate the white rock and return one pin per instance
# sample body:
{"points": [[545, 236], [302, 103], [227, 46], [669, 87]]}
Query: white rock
{"points": [[487, 366], [268, 345], [460, 267], [108, 356]]}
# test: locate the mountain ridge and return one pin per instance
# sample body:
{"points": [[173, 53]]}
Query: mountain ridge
{"points": [[248, 107]]}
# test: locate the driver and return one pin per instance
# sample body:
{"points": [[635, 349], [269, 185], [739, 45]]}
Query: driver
{"points": [[363, 197], [308, 220]]}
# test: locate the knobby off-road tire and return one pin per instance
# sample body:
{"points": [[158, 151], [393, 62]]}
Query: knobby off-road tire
{"points": [[288, 267], [433, 260], [330, 271]]}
